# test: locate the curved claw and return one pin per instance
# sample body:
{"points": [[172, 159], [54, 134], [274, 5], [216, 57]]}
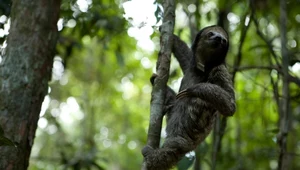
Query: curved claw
{"points": [[182, 94], [146, 150]]}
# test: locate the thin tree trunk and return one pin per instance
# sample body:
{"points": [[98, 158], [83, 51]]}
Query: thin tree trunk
{"points": [[162, 69], [198, 156], [24, 74], [221, 122], [284, 106]]}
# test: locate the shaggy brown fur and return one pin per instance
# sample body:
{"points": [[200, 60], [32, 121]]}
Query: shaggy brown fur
{"points": [[206, 90]]}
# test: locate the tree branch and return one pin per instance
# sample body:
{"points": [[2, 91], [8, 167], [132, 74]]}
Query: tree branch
{"points": [[261, 35], [284, 105], [160, 82], [291, 78]]}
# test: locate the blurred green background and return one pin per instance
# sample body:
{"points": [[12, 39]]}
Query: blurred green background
{"points": [[97, 111]]}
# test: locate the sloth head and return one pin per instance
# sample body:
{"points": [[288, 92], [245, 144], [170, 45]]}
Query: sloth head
{"points": [[210, 47]]}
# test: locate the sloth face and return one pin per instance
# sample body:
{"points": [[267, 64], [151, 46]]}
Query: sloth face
{"points": [[210, 47]]}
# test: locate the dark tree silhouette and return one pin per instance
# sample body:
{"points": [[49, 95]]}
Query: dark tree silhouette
{"points": [[24, 74]]}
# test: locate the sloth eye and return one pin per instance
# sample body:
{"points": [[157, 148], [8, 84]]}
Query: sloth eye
{"points": [[209, 34]]}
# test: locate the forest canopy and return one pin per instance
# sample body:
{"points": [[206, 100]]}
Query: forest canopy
{"points": [[96, 112]]}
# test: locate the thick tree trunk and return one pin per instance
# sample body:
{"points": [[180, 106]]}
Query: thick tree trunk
{"points": [[24, 74]]}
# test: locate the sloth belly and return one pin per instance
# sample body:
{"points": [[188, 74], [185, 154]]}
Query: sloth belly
{"points": [[191, 118]]}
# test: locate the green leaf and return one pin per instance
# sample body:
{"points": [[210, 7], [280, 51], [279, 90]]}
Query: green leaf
{"points": [[158, 13], [185, 163]]}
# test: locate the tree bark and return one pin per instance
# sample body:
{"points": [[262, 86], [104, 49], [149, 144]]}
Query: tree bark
{"points": [[24, 74], [160, 82]]}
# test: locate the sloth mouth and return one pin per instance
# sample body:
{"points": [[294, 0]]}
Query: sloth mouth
{"points": [[216, 43]]}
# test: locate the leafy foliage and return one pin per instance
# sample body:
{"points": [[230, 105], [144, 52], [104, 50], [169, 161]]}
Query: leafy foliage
{"points": [[97, 110]]}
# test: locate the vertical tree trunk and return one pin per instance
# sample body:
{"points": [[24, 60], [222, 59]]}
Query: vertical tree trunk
{"points": [[221, 122], [24, 74], [284, 105], [160, 83]]}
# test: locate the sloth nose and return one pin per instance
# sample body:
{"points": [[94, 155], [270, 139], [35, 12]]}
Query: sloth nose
{"points": [[218, 37]]}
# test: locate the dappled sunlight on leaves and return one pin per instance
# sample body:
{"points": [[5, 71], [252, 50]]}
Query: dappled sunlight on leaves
{"points": [[98, 107]]}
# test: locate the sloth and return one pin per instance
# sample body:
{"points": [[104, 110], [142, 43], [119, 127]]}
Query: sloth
{"points": [[206, 90]]}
